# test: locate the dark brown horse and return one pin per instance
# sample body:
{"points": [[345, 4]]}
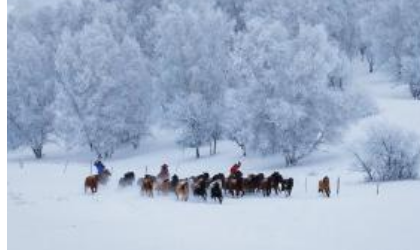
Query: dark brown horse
{"points": [[235, 185], [103, 177], [265, 186]]}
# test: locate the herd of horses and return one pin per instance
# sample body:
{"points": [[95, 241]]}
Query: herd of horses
{"points": [[217, 186]]}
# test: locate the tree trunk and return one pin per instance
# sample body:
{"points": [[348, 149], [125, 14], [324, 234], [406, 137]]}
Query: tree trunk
{"points": [[290, 160], [37, 152], [370, 66], [371, 62], [197, 152], [214, 145], [362, 53]]}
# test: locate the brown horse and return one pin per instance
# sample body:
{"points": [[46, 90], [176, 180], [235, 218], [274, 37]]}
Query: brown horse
{"points": [[324, 186], [147, 185], [91, 182], [182, 190], [235, 185]]}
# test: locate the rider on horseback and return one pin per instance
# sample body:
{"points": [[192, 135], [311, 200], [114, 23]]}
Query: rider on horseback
{"points": [[234, 170], [164, 173], [99, 165]]}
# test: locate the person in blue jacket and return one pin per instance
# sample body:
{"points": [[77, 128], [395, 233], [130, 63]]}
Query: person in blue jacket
{"points": [[99, 165]]}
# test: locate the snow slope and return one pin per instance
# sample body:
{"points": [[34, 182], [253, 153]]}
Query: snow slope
{"points": [[47, 208]]}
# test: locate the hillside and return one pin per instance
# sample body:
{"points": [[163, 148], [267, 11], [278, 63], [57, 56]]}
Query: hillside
{"points": [[47, 208]]}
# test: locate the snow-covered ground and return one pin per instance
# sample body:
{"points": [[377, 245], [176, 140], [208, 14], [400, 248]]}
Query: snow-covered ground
{"points": [[47, 207]]}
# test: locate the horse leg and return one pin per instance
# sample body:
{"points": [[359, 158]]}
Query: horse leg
{"points": [[276, 189]]}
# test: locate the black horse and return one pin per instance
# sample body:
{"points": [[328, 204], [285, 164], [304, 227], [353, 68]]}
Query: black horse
{"points": [[216, 191], [287, 186], [127, 179], [174, 181], [276, 180], [199, 189]]}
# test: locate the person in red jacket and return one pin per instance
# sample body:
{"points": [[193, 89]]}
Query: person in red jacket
{"points": [[234, 170]]}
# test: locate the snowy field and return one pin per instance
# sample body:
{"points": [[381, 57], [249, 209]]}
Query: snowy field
{"points": [[47, 207]]}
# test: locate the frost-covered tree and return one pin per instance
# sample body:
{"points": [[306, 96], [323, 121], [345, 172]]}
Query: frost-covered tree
{"points": [[30, 91], [340, 18], [140, 17], [390, 33], [389, 153], [192, 58], [237, 118], [105, 89], [391, 36], [189, 115], [385, 34], [292, 108]]}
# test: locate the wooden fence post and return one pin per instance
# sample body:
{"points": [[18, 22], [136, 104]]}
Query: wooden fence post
{"points": [[338, 186]]}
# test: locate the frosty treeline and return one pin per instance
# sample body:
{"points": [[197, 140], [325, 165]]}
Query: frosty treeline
{"points": [[272, 76]]}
